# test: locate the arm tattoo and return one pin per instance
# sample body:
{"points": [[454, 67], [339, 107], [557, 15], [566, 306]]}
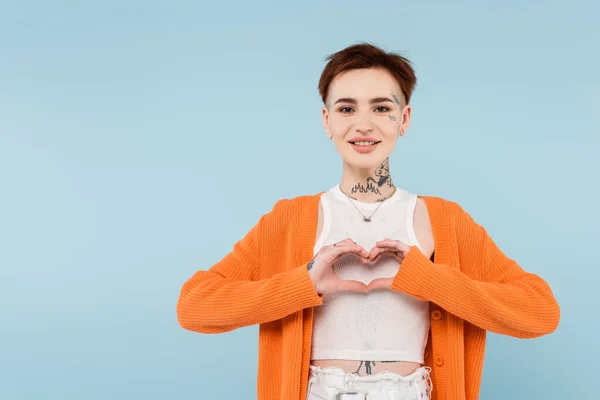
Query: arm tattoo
{"points": [[310, 264]]}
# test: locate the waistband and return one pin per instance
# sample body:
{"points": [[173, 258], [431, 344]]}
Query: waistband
{"points": [[335, 384]]}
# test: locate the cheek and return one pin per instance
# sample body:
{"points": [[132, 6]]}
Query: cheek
{"points": [[339, 127], [389, 127]]}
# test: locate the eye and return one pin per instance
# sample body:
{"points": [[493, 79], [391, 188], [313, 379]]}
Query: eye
{"points": [[345, 110], [381, 109]]}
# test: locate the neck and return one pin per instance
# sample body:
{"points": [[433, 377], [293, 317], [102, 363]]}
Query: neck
{"points": [[368, 185]]}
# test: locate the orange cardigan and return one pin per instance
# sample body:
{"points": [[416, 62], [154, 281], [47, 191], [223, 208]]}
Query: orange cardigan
{"points": [[471, 285]]}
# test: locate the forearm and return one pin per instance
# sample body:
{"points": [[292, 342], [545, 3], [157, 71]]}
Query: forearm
{"points": [[523, 307], [210, 303]]}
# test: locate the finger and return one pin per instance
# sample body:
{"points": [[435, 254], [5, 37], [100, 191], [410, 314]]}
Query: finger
{"points": [[379, 250], [392, 243], [386, 251], [377, 257], [345, 241], [388, 243], [343, 248], [375, 252], [349, 286], [361, 251], [396, 244], [380, 283]]}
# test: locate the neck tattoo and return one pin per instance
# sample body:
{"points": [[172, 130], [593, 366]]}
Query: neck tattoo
{"points": [[382, 177], [373, 185]]}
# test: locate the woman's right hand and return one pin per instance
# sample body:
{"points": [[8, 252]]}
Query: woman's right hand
{"points": [[322, 275]]}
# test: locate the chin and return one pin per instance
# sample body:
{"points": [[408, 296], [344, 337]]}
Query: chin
{"points": [[370, 162]]}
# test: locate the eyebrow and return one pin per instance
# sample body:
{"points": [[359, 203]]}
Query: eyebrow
{"points": [[372, 101]]}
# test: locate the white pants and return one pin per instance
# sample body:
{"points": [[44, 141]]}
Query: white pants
{"points": [[335, 384]]}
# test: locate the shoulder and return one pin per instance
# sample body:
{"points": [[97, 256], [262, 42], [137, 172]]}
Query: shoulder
{"points": [[290, 211], [297, 204], [440, 207], [289, 226], [438, 214], [439, 204], [445, 215]]}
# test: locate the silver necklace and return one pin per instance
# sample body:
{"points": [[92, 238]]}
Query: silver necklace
{"points": [[365, 218]]}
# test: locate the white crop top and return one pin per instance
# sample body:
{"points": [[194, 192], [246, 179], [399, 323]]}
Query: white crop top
{"points": [[382, 325]]}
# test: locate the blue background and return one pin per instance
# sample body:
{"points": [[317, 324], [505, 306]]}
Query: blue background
{"points": [[140, 140]]}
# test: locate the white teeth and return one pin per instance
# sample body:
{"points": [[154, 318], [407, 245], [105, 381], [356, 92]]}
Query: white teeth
{"points": [[364, 143]]}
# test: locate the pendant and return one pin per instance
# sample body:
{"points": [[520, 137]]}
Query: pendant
{"points": [[366, 219]]}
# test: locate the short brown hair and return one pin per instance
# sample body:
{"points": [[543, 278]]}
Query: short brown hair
{"points": [[365, 55]]}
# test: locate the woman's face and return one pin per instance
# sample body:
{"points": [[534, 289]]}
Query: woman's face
{"points": [[364, 115]]}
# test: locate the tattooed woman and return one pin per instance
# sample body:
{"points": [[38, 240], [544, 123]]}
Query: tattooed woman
{"points": [[367, 290]]}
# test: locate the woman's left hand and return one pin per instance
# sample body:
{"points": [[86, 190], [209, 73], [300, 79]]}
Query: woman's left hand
{"points": [[393, 248]]}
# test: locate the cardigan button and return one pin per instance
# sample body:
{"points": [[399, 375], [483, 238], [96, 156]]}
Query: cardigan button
{"points": [[436, 314], [439, 361]]}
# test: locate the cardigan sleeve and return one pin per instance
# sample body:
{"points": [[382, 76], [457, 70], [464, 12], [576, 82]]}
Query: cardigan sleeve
{"points": [[506, 299], [229, 294]]}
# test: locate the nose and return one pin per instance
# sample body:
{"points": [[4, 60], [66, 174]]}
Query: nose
{"points": [[363, 124]]}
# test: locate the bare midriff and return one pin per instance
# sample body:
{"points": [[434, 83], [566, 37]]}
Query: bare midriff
{"points": [[364, 368]]}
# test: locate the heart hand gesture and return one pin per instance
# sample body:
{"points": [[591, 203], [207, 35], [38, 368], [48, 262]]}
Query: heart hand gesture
{"points": [[393, 248], [324, 278]]}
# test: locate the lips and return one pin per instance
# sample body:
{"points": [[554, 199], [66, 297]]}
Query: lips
{"points": [[364, 146], [361, 139]]}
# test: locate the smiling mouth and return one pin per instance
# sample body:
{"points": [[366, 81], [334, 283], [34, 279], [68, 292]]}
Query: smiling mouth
{"points": [[362, 143]]}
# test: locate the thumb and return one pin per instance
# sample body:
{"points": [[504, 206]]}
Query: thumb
{"points": [[380, 283], [348, 286]]}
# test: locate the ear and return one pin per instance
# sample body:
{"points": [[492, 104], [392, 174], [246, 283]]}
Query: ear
{"points": [[405, 122], [325, 117]]}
